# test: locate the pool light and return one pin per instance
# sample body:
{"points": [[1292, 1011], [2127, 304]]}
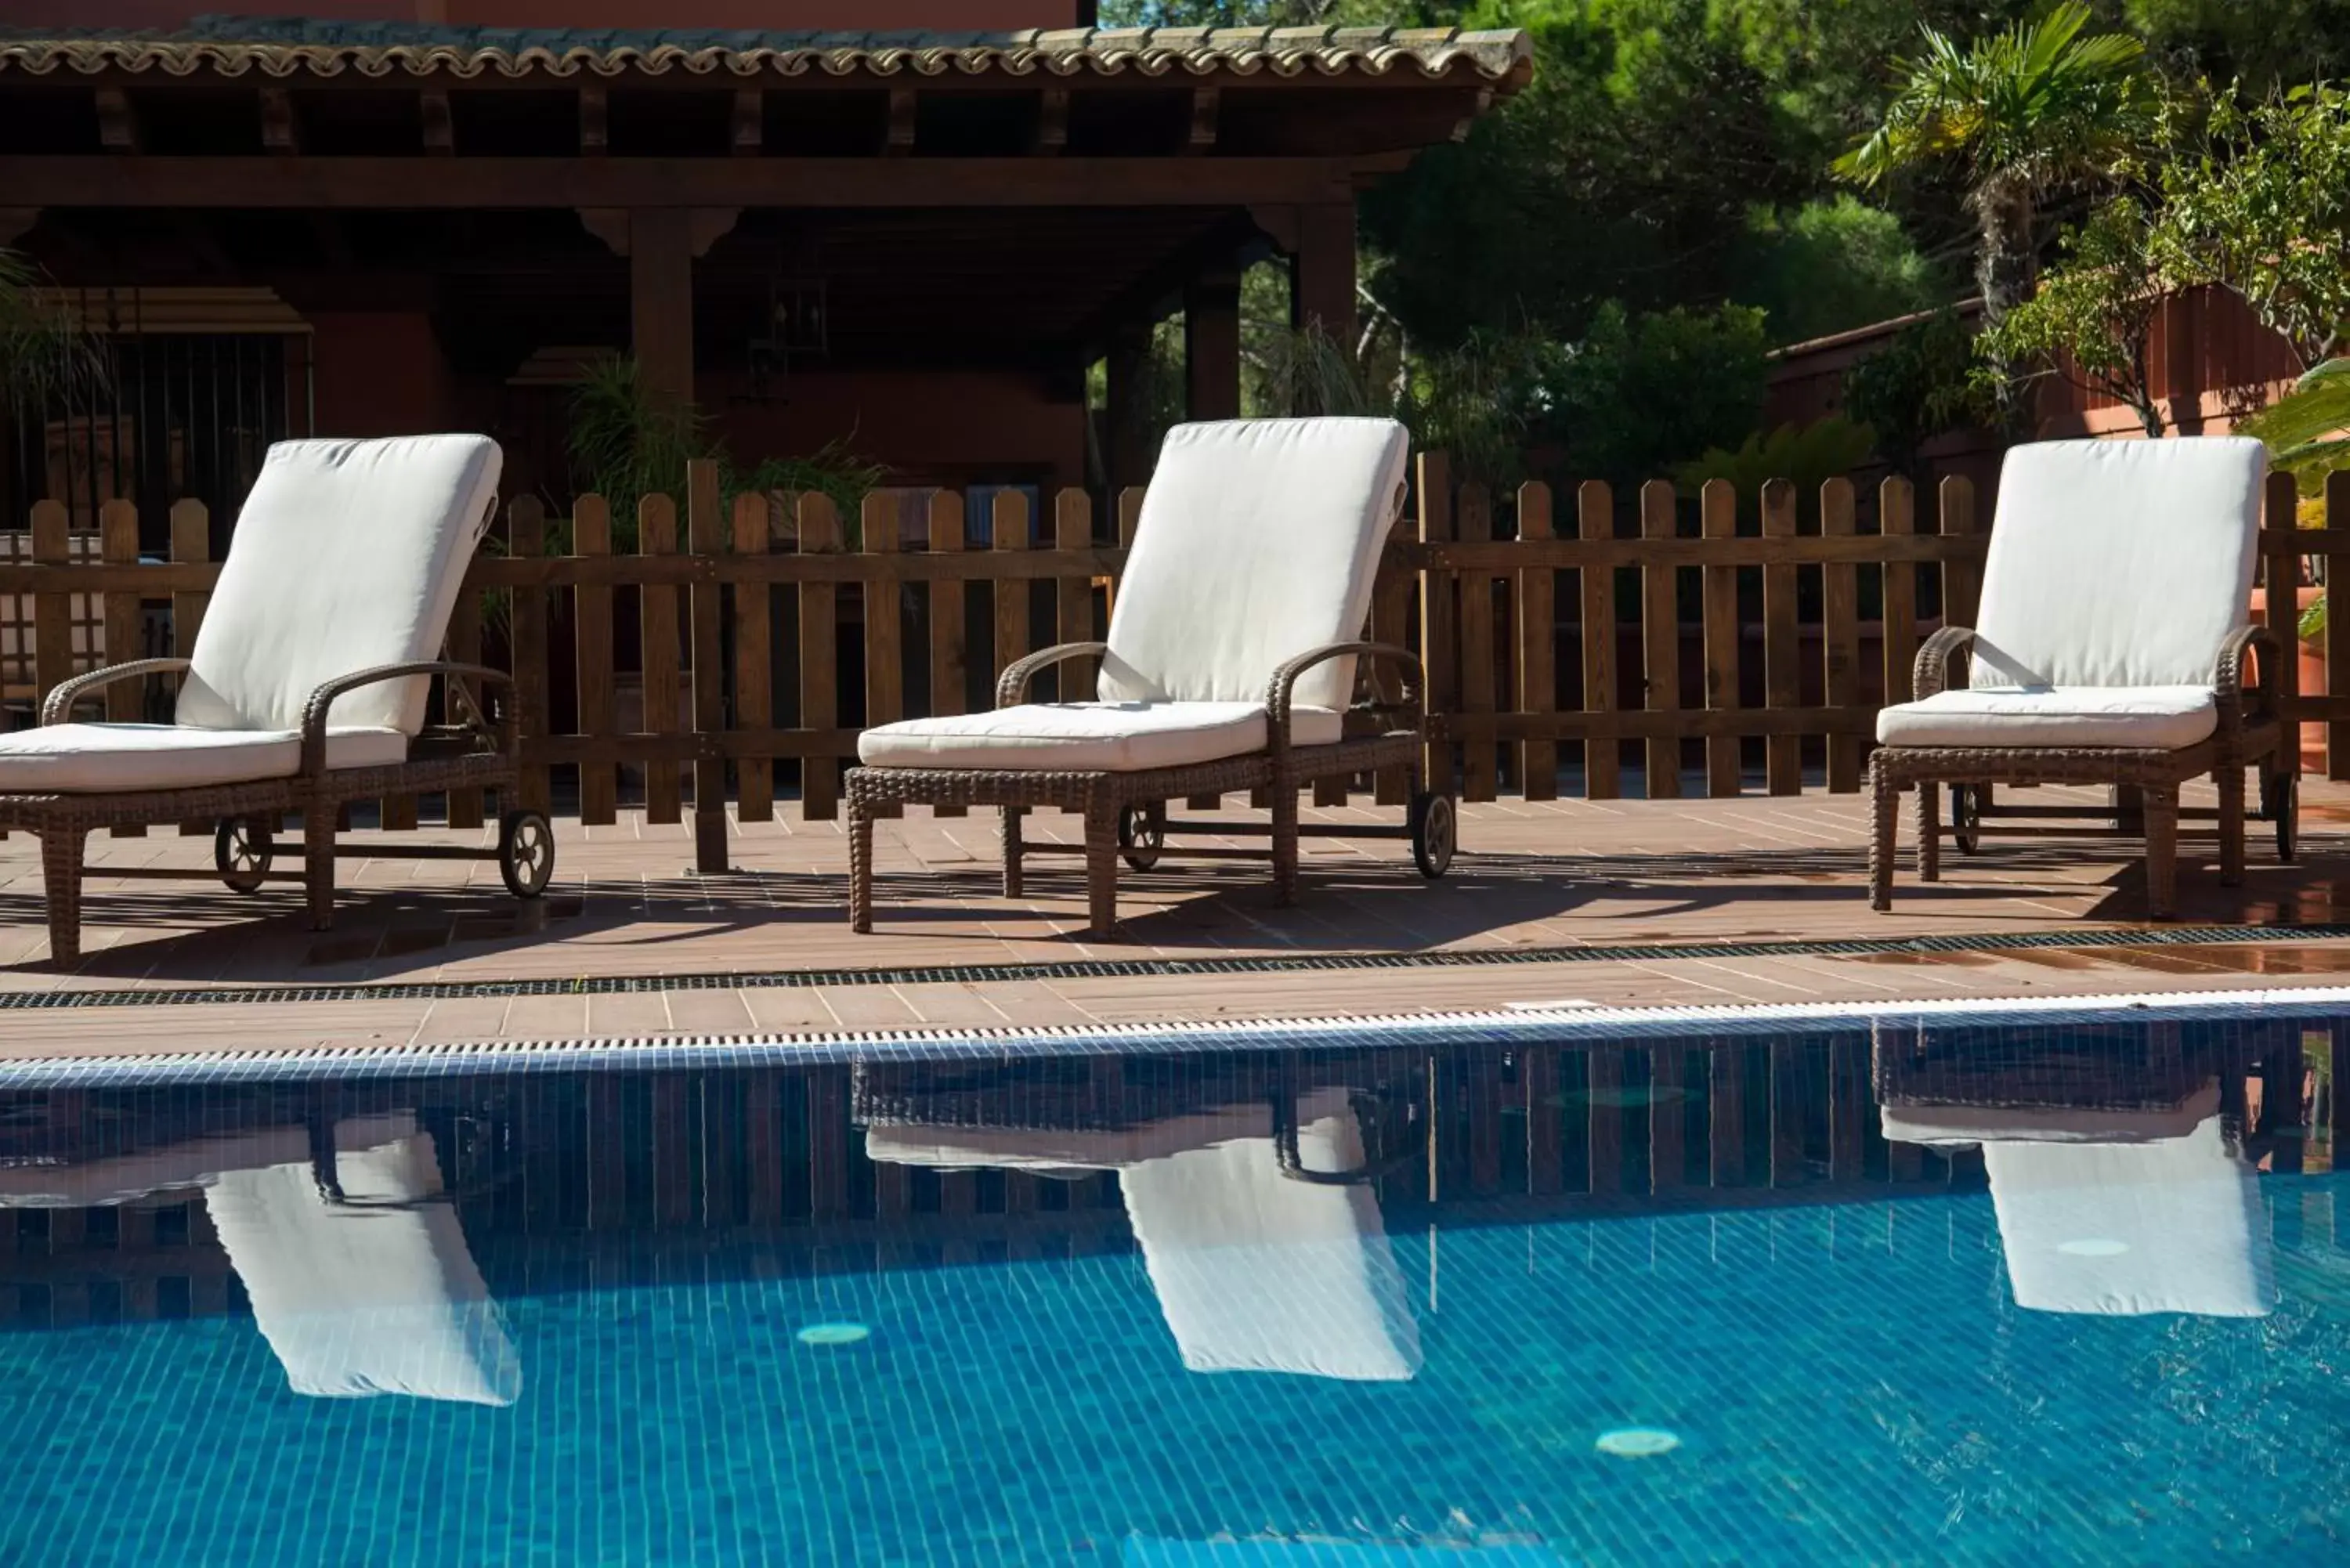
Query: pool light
{"points": [[1638, 1442], [834, 1334]]}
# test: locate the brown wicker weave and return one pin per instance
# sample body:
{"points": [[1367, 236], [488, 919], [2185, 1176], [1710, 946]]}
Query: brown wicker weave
{"points": [[2249, 734], [472, 755], [1139, 798]]}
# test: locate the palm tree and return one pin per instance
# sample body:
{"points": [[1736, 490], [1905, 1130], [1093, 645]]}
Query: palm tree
{"points": [[43, 349], [2023, 112]]}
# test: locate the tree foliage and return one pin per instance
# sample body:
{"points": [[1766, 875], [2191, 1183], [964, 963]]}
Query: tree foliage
{"points": [[1921, 383], [2261, 203], [2091, 319]]}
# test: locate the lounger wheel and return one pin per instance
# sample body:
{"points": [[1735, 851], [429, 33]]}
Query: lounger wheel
{"points": [[1966, 818], [2281, 805], [526, 852], [1141, 835], [242, 849], [1432, 834]]}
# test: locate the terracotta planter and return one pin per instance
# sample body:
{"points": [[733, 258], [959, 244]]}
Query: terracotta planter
{"points": [[2312, 664]]}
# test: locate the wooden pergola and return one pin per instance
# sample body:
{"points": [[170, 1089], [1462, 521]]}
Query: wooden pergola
{"points": [[1031, 200]]}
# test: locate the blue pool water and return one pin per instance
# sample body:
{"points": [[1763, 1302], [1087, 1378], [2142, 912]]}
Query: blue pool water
{"points": [[1657, 1304]]}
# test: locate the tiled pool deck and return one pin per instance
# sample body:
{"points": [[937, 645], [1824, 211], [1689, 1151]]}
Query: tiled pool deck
{"points": [[1693, 902]]}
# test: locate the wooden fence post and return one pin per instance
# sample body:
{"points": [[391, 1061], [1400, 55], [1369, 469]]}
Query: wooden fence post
{"points": [[591, 540], [819, 660], [1660, 640], [1595, 508], [2337, 648], [1474, 525], [1718, 508], [755, 648], [2279, 517], [52, 612], [949, 627], [1962, 576], [1438, 627], [706, 529], [1537, 643], [191, 543], [885, 643], [1391, 593], [1072, 595], [1782, 645], [657, 653], [1840, 634], [526, 536], [118, 526], [1897, 518]]}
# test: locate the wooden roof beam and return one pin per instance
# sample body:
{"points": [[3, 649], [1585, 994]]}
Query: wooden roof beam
{"points": [[595, 120], [280, 131], [440, 125], [904, 108], [1053, 122], [1206, 110], [306, 180], [118, 122]]}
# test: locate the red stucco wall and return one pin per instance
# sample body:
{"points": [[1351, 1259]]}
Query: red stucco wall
{"points": [[772, 15]]}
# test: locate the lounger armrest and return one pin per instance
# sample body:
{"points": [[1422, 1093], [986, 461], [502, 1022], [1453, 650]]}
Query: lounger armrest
{"points": [[58, 707], [1279, 697], [1011, 686], [2238, 705], [1937, 659], [322, 701]]}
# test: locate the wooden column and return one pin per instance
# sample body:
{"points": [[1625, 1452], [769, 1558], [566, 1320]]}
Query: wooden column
{"points": [[1322, 278], [660, 299], [1211, 346]]}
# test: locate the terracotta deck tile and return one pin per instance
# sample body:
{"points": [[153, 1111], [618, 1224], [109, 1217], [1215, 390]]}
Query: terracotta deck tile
{"points": [[1564, 875]]}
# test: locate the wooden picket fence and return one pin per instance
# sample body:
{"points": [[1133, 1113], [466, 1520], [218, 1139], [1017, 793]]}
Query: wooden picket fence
{"points": [[1671, 628]]}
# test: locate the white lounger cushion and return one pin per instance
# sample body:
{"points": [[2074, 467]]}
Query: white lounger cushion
{"points": [[2123, 1229], [379, 1295], [1259, 539], [96, 759], [348, 554], [2164, 718], [1255, 1271], [2115, 1213], [1258, 1273], [2119, 563], [1087, 737]]}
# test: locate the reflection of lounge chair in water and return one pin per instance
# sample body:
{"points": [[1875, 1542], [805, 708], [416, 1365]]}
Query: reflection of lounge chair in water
{"points": [[355, 1263], [1267, 1255], [2115, 1213]]}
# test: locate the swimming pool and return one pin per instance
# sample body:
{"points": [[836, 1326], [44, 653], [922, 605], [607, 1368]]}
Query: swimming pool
{"points": [[1675, 1300]]}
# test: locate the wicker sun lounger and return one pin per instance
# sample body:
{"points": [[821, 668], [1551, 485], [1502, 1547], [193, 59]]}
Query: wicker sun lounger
{"points": [[2111, 649], [1230, 665], [306, 687]]}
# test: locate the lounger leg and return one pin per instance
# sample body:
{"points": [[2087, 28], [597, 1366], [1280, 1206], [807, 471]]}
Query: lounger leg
{"points": [[1884, 799], [318, 862], [61, 871], [2161, 850], [1284, 842], [860, 862], [1012, 849], [2230, 782], [1101, 867], [1930, 831]]}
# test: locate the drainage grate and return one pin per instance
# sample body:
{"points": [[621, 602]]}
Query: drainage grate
{"points": [[1115, 969], [1602, 1026]]}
